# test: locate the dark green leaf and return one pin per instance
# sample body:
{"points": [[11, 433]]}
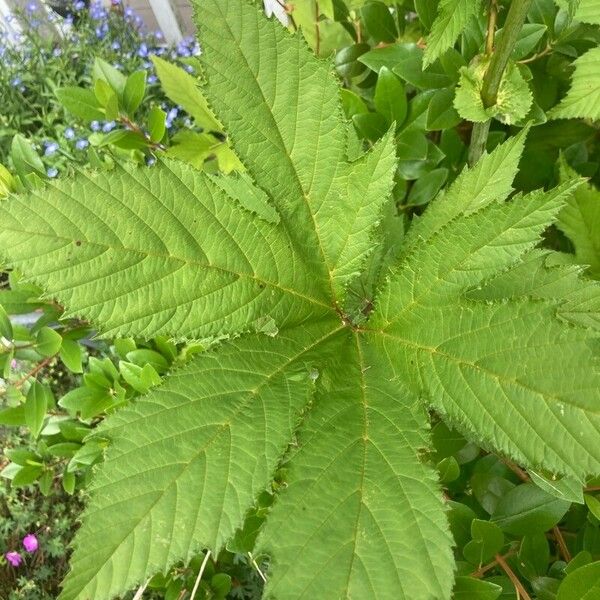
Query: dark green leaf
{"points": [[352, 103], [378, 22], [487, 541], [441, 113], [406, 61], [468, 588], [427, 187], [346, 60], [390, 97], [526, 509], [371, 126], [534, 555], [581, 584], [39, 398], [448, 469]]}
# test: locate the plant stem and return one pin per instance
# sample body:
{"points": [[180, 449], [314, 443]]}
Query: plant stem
{"points": [[34, 371], [493, 76], [562, 546], [317, 30], [514, 579], [483, 570], [491, 27]]}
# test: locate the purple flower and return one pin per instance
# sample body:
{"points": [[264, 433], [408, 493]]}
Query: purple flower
{"points": [[150, 161], [80, 5], [69, 21], [129, 12], [52, 172], [30, 543], [152, 79], [14, 558], [158, 35], [31, 7], [115, 45], [171, 116], [108, 126], [69, 133], [143, 50], [81, 144], [56, 52], [189, 68], [51, 148], [116, 2], [15, 81], [95, 126]]}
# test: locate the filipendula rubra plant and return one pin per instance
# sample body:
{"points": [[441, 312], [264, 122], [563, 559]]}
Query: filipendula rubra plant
{"points": [[468, 321]]}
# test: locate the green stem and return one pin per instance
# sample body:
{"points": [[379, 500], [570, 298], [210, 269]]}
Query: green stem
{"points": [[493, 76]]}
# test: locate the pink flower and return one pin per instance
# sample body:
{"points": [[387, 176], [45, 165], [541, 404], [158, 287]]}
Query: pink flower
{"points": [[13, 364], [14, 558], [30, 542]]}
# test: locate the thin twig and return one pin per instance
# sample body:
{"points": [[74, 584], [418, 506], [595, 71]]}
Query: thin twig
{"points": [[562, 546], [317, 30], [483, 570], [255, 565], [522, 475], [491, 27], [288, 11], [535, 57], [197, 583], [34, 371], [140, 591], [511, 575]]}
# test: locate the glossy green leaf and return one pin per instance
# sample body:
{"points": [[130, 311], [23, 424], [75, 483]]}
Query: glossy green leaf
{"points": [[378, 22], [468, 588], [581, 584], [527, 510], [390, 97], [39, 398]]}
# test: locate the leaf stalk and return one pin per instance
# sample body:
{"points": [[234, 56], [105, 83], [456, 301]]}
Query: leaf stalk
{"points": [[499, 59]]}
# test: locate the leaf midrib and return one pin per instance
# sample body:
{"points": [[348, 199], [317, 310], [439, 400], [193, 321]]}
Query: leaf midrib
{"points": [[434, 351], [303, 193], [166, 256], [220, 428]]}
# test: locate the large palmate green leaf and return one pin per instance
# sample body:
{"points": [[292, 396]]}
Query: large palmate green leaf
{"points": [[165, 251], [188, 460], [469, 318]]}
